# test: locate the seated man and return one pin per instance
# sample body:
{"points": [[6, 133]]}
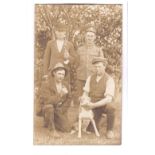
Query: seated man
{"points": [[100, 88], [56, 100]]}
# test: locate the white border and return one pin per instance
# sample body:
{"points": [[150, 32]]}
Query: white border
{"points": [[92, 150], [81, 1], [16, 85]]}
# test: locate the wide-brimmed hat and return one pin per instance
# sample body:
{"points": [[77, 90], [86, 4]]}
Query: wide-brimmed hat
{"points": [[100, 59], [58, 66]]}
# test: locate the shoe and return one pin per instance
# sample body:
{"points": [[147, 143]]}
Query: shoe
{"points": [[56, 135], [87, 132], [53, 134], [72, 131], [110, 134]]}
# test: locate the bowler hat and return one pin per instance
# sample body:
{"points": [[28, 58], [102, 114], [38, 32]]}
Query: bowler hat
{"points": [[61, 27], [58, 66], [100, 59]]}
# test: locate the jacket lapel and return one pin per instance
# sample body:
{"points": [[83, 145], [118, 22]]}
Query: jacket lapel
{"points": [[53, 85]]}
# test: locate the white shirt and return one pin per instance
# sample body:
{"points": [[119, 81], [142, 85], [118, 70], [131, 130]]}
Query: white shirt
{"points": [[59, 87], [60, 44]]}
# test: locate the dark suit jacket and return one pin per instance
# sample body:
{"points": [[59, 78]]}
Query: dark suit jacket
{"points": [[50, 96], [52, 55]]}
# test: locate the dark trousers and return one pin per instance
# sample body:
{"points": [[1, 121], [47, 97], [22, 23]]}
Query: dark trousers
{"points": [[109, 110], [56, 119]]}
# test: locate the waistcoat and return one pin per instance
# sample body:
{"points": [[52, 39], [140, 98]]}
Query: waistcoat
{"points": [[97, 89]]}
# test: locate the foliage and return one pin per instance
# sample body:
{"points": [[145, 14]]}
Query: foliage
{"points": [[107, 19]]}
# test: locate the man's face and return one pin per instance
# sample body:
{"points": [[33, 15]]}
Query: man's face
{"points": [[60, 34], [99, 68], [59, 75], [90, 37]]}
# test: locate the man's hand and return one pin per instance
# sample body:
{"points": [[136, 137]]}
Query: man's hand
{"points": [[45, 77], [66, 61], [66, 55], [59, 104], [64, 91]]}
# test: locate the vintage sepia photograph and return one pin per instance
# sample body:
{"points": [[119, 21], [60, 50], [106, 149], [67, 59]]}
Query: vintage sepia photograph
{"points": [[78, 74]]}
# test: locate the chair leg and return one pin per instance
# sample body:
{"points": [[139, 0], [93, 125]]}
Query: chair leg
{"points": [[95, 128]]}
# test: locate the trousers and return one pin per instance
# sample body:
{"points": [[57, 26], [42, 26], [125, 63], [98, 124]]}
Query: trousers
{"points": [[109, 110], [54, 118]]}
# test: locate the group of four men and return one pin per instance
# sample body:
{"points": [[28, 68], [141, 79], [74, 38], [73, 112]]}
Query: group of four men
{"points": [[92, 80]]}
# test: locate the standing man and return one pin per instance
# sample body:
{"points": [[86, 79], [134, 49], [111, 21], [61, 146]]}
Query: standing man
{"points": [[59, 50], [56, 100], [86, 53], [100, 87]]}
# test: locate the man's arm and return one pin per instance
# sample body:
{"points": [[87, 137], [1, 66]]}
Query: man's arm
{"points": [[106, 100], [86, 87], [48, 96], [73, 54], [109, 94], [101, 54], [46, 59]]}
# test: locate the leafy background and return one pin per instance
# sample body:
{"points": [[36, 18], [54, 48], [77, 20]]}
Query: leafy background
{"points": [[108, 22]]}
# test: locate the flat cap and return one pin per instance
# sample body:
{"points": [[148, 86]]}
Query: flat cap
{"points": [[91, 29], [100, 59]]}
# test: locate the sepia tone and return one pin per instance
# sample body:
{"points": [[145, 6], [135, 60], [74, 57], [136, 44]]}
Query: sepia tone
{"points": [[107, 22]]}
